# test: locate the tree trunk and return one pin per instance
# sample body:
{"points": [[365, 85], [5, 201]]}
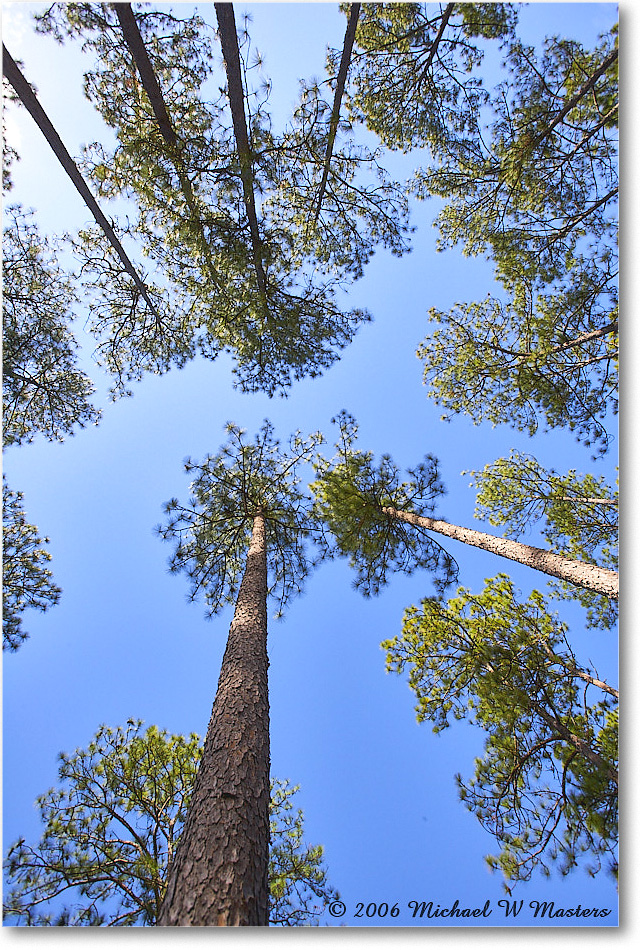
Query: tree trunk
{"points": [[220, 874], [236, 96], [588, 576], [29, 100], [134, 41], [342, 75], [131, 35], [435, 44]]}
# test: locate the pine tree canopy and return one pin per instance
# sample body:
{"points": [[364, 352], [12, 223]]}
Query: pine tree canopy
{"points": [[537, 193], [26, 581], [534, 361], [527, 172], [546, 785], [191, 194], [351, 492], [43, 389], [413, 80], [541, 196], [212, 532], [577, 514]]}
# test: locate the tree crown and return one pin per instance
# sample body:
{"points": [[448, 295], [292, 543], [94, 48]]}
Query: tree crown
{"points": [[212, 532], [577, 514], [192, 212], [546, 786], [351, 493], [44, 391], [26, 580]]}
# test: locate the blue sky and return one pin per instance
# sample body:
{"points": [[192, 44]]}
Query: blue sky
{"points": [[377, 789]]}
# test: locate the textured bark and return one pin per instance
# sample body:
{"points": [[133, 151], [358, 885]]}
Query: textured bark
{"points": [[588, 576], [29, 100], [220, 874]]}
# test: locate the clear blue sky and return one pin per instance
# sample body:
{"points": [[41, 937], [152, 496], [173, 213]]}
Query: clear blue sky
{"points": [[377, 789]]}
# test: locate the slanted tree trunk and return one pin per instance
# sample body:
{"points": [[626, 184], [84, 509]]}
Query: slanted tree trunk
{"points": [[342, 75], [588, 576], [30, 101], [219, 876], [435, 44], [134, 41]]}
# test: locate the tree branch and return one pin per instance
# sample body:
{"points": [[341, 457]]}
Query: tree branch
{"points": [[588, 85], [581, 745]]}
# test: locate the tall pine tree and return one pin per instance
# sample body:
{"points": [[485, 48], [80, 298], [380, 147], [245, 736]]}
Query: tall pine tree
{"points": [[241, 275], [111, 827], [241, 536], [547, 784]]}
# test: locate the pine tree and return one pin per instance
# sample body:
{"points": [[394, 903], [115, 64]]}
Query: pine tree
{"points": [[26, 581], [536, 192], [44, 391], [578, 515], [547, 784], [29, 100], [367, 509], [111, 828], [413, 78], [245, 507], [240, 277]]}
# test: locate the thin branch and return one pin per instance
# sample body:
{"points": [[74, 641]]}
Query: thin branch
{"points": [[580, 744]]}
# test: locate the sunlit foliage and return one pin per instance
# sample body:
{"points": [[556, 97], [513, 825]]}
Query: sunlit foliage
{"points": [[112, 825], [546, 785]]}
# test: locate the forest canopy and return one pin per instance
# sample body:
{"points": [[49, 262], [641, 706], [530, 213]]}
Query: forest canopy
{"points": [[357, 207]]}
